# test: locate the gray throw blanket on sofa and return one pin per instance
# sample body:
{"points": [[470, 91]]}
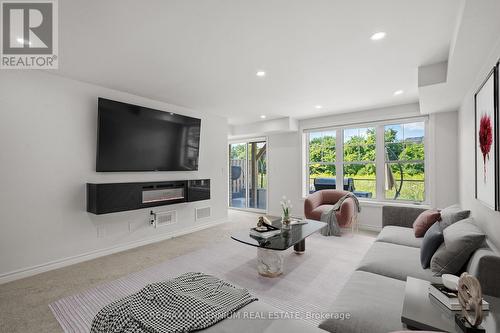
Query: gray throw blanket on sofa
{"points": [[189, 302], [329, 217]]}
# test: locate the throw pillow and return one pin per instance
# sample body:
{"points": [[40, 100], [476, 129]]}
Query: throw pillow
{"points": [[452, 214], [461, 239], [424, 221], [432, 240]]}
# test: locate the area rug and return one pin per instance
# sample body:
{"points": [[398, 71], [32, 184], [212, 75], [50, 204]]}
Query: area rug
{"points": [[309, 284]]}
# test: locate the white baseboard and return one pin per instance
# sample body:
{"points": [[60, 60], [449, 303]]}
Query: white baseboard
{"points": [[51, 265]]}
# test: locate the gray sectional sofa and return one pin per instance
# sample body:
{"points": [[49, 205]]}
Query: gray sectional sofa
{"points": [[374, 294]]}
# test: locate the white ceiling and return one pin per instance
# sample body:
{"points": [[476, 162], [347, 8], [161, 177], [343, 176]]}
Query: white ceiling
{"points": [[204, 54], [477, 33]]}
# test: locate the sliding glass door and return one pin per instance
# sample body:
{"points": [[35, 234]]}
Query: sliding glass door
{"points": [[237, 175], [248, 175]]}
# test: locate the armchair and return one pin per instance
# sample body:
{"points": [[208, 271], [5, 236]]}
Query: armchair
{"points": [[321, 201]]}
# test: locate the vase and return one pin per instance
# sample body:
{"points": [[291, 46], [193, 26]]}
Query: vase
{"points": [[285, 222]]}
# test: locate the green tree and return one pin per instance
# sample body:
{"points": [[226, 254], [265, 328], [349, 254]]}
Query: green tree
{"points": [[390, 135], [392, 146], [322, 149], [360, 149], [238, 152], [413, 152]]}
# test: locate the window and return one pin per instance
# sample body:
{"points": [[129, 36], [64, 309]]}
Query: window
{"points": [[321, 159], [404, 162], [359, 161], [384, 161]]}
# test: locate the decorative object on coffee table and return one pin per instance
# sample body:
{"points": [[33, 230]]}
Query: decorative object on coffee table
{"points": [[450, 281], [264, 229], [261, 222], [286, 206], [471, 301]]}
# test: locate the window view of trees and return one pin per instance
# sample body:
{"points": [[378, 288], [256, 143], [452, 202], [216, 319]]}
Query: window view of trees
{"points": [[404, 160], [238, 151], [405, 155], [359, 160], [322, 156]]}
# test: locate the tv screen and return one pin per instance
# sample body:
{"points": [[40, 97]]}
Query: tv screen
{"points": [[135, 138]]}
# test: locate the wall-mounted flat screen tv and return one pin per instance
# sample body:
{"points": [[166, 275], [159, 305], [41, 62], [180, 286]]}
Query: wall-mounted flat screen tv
{"points": [[135, 138]]}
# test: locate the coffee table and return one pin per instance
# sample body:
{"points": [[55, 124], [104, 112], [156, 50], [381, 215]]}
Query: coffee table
{"points": [[270, 257], [422, 311]]}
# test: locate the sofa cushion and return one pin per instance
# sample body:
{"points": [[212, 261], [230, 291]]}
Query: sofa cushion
{"points": [[373, 301], [452, 214], [461, 239], [432, 240], [395, 261], [424, 221], [399, 235]]}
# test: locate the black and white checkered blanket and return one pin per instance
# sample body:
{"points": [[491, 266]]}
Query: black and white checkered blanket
{"points": [[186, 303]]}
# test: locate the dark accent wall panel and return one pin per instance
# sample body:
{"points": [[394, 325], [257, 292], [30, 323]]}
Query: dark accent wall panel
{"points": [[198, 190], [118, 197]]}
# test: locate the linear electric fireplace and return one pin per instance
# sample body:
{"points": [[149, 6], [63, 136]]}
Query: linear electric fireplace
{"points": [[167, 194], [117, 197]]}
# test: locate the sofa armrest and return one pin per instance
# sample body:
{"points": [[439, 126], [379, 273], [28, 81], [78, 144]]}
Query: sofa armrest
{"points": [[346, 212], [485, 266], [489, 274], [400, 216]]}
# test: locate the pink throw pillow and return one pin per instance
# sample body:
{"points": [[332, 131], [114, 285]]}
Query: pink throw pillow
{"points": [[424, 221]]}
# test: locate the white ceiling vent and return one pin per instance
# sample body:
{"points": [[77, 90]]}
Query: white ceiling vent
{"points": [[203, 213], [165, 218]]}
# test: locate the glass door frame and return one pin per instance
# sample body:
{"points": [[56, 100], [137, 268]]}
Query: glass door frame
{"points": [[246, 141]]}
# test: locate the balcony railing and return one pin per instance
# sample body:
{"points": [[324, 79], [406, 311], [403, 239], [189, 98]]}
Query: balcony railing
{"points": [[411, 190]]}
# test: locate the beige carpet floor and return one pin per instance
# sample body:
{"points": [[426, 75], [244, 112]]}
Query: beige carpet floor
{"points": [[24, 303]]}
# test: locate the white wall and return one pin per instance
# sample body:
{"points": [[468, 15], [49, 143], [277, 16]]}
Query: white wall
{"points": [[285, 159], [279, 125], [48, 148], [488, 219], [444, 158]]}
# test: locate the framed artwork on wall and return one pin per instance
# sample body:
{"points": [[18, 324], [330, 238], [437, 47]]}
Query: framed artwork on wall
{"points": [[497, 126], [486, 137]]}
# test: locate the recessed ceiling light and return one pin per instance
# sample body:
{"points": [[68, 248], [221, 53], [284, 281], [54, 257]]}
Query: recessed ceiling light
{"points": [[260, 73], [263, 116], [398, 92], [319, 107], [378, 35]]}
